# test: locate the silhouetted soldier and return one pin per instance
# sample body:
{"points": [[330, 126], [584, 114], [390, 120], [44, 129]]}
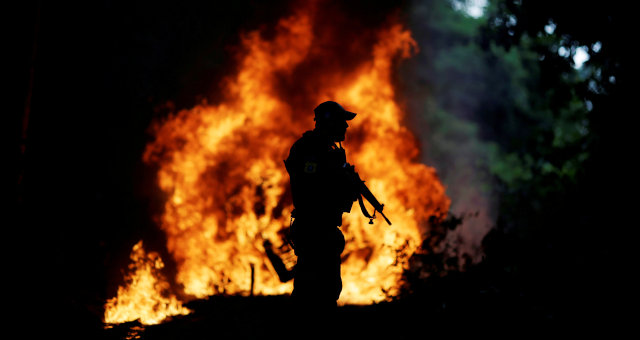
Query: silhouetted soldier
{"points": [[322, 190]]}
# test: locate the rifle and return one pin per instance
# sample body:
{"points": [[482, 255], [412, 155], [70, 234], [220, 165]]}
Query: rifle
{"points": [[363, 191]]}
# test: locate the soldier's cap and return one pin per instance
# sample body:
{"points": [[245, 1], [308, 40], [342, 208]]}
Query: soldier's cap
{"points": [[330, 110]]}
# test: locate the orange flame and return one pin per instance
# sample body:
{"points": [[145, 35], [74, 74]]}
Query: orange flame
{"points": [[146, 297], [221, 167]]}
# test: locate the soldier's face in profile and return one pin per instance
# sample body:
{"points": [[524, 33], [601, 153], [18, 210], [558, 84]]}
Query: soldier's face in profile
{"points": [[337, 129]]}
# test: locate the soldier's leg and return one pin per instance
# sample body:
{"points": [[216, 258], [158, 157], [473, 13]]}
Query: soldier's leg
{"points": [[314, 299]]}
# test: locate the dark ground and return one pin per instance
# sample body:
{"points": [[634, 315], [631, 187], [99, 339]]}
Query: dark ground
{"points": [[472, 303]]}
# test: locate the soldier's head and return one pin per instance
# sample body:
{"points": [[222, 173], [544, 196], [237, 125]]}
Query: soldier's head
{"points": [[331, 119]]}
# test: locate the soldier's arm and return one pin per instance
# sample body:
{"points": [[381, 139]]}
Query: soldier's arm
{"points": [[306, 187]]}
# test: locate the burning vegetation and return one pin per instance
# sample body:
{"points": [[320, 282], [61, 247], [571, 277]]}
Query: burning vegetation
{"points": [[221, 168], [146, 296]]}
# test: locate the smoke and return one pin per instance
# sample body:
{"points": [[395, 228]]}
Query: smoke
{"points": [[444, 87]]}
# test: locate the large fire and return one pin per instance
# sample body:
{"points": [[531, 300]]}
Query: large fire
{"points": [[222, 169]]}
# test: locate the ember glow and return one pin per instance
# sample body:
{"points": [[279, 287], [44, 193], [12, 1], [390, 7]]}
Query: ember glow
{"points": [[221, 166]]}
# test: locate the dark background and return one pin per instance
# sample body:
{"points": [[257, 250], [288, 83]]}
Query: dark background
{"points": [[490, 94]]}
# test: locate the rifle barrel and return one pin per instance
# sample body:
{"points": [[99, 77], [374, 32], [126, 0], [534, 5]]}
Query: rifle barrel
{"points": [[385, 217]]}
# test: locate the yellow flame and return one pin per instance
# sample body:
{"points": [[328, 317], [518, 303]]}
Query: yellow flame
{"points": [[145, 297]]}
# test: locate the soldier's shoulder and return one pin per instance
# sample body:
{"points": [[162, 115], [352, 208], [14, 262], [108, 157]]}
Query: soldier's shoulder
{"points": [[305, 142]]}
